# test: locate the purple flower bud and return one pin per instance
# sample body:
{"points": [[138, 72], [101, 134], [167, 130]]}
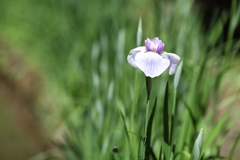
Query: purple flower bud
{"points": [[154, 45]]}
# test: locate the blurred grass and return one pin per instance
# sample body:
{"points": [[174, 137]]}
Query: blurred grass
{"points": [[80, 47]]}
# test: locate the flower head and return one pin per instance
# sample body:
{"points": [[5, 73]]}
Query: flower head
{"points": [[152, 60]]}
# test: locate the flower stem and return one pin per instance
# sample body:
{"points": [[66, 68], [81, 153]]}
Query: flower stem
{"points": [[146, 120], [149, 87]]}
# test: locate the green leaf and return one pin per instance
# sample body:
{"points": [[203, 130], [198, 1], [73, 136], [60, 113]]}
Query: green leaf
{"points": [[165, 117], [177, 75], [140, 148], [193, 119], [152, 154], [125, 126], [138, 135], [160, 153], [149, 131], [184, 153], [198, 146], [139, 32]]}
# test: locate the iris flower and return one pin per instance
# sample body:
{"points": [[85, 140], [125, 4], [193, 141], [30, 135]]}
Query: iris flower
{"points": [[152, 60]]}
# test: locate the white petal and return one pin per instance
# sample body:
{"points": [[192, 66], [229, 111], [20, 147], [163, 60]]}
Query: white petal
{"points": [[132, 54], [152, 64], [174, 60], [131, 60], [138, 49]]}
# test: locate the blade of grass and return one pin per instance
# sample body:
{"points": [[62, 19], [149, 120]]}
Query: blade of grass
{"points": [[133, 133], [125, 126], [218, 126], [139, 32], [135, 100], [165, 117], [152, 154], [184, 153], [166, 144], [160, 153], [193, 119], [140, 148], [136, 87], [173, 118], [149, 131]]}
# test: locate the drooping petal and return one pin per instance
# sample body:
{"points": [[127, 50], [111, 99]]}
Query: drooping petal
{"points": [[174, 60], [132, 53], [131, 61], [152, 64]]}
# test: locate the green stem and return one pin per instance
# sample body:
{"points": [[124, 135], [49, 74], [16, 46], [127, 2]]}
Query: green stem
{"points": [[148, 88], [146, 120]]}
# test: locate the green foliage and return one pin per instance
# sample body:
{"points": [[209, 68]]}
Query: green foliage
{"points": [[100, 100]]}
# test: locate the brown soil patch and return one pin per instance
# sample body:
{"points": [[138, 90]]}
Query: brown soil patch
{"points": [[20, 131]]}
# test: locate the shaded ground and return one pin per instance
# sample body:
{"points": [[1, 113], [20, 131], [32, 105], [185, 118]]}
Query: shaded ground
{"points": [[231, 87], [20, 130]]}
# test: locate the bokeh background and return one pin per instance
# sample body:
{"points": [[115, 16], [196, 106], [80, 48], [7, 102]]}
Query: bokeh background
{"points": [[63, 69]]}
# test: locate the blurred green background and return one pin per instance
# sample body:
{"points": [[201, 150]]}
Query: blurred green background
{"points": [[64, 74]]}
